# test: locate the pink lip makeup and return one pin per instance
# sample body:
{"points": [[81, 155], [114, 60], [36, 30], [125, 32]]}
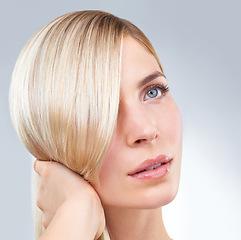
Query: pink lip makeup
{"points": [[152, 168]]}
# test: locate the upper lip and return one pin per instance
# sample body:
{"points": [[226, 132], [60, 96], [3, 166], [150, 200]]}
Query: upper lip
{"points": [[151, 162]]}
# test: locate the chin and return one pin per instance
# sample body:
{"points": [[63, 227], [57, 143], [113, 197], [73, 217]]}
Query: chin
{"points": [[150, 195], [156, 199], [151, 199]]}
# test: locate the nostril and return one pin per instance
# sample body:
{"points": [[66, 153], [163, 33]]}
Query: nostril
{"points": [[138, 141]]}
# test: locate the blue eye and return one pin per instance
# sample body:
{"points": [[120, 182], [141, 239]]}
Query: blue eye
{"points": [[156, 91], [153, 93]]}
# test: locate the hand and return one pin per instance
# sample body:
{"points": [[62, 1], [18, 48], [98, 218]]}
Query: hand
{"points": [[59, 185]]}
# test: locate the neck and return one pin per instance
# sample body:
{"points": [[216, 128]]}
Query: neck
{"points": [[129, 224]]}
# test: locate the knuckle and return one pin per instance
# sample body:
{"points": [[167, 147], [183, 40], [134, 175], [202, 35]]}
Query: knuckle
{"points": [[46, 172], [35, 166], [41, 188], [38, 203], [44, 222], [43, 168]]}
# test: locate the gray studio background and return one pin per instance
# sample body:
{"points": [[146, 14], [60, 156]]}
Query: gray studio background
{"points": [[198, 43]]}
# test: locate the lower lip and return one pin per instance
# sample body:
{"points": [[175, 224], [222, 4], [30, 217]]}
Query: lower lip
{"points": [[156, 173]]}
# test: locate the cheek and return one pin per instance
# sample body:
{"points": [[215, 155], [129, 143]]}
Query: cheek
{"points": [[170, 125], [106, 172], [111, 165], [110, 174]]}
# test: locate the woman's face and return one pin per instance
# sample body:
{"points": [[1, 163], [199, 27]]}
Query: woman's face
{"points": [[148, 135]]}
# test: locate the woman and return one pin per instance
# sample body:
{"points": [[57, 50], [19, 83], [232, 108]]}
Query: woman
{"points": [[89, 99]]}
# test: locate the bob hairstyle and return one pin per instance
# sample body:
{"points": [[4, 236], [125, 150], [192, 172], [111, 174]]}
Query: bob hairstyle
{"points": [[64, 94]]}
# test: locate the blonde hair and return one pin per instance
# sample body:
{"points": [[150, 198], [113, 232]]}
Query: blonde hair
{"points": [[64, 94]]}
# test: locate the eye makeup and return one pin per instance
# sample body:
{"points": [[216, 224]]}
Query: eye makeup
{"points": [[154, 91]]}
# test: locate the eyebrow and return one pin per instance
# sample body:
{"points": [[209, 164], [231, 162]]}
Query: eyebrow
{"points": [[150, 78]]}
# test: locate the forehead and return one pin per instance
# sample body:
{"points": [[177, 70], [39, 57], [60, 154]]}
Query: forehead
{"points": [[136, 62]]}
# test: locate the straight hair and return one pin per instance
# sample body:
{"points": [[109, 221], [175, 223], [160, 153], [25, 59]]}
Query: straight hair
{"points": [[64, 94]]}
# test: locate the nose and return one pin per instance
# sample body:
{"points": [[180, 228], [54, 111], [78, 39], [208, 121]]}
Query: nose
{"points": [[138, 125]]}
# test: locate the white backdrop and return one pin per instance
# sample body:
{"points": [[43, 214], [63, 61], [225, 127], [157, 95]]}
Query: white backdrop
{"points": [[198, 43]]}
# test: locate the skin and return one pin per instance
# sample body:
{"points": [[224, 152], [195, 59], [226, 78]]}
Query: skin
{"points": [[70, 208], [147, 126]]}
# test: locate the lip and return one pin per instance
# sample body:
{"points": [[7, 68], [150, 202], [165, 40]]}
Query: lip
{"points": [[144, 170]]}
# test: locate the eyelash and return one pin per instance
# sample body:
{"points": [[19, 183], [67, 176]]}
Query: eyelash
{"points": [[163, 88]]}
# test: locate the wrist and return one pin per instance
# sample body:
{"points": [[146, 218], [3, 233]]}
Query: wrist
{"points": [[75, 218], [87, 207]]}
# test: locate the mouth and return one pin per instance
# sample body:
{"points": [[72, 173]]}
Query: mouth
{"points": [[152, 168]]}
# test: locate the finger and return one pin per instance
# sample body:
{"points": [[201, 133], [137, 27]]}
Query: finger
{"points": [[35, 166], [39, 205], [40, 166], [46, 219]]}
